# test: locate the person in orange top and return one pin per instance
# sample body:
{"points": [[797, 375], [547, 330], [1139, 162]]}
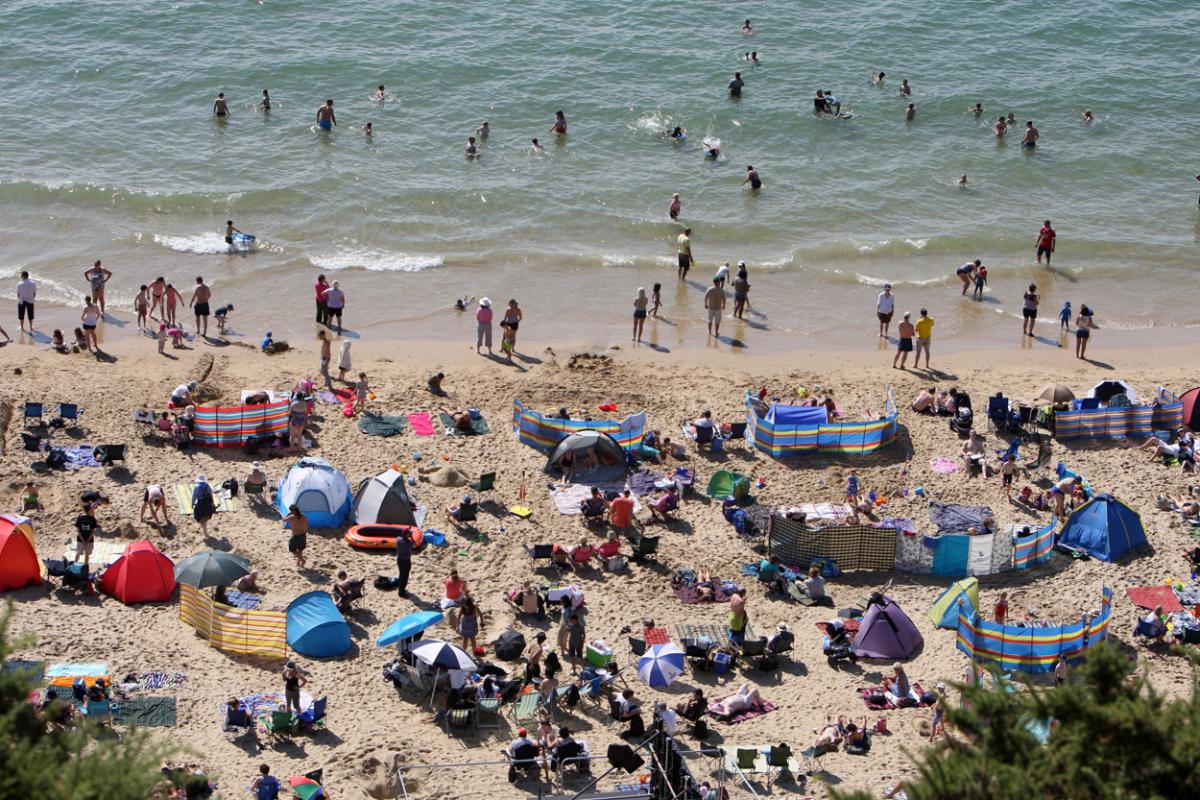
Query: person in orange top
{"points": [[620, 511], [454, 589]]}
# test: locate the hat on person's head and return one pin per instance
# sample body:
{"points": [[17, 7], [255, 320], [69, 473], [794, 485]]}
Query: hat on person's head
{"points": [[941, 687], [908, 313], [256, 465], [191, 385], [484, 302], [783, 626], [887, 286], [290, 665], [201, 479], [521, 731]]}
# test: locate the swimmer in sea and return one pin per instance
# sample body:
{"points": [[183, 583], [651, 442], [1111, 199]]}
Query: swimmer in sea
{"points": [[832, 104], [560, 124], [1001, 128], [229, 232], [677, 134], [962, 179], [537, 147], [1031, 135], [676, 205], [752, 179], [483, 130], [265, 103], [977, 110], [368, 130], [910, 112], [905, 90], [219, 106], [877, 79], [746, 27], [735, 85], [472, 150], [820, 106], [712, 152], [1087, 117], [325, 117], [1011, 121], [381, 94], [753, 56]]}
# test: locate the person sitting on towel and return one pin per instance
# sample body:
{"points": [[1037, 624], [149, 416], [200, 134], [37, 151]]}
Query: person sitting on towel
{"points": [[925, 402], [745, 697], [1154, 624], [898, 688], [857, 742], [813, 585], [595, 506]]}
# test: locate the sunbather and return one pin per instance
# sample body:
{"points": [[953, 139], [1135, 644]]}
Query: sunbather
{"points": [[857, 741], [527, 600], [581, 553], [829, 735], [460, 418], [925, 401], [898, 688], [745, 697], [1161, 449]]}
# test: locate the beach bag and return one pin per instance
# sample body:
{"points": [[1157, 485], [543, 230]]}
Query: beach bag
{"points": [[386, 584], [231, 486], [739, 520], [880, 725], [57, 458]]}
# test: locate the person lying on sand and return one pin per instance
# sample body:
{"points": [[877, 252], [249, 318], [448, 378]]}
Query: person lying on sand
{"points": [[460, 418], [746, 696]]}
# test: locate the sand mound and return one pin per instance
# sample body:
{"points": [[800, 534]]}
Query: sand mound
{"points": [[448, 477]]}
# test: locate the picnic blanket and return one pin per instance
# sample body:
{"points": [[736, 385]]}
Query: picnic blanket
{"points": [[261, 704], [373, 424], [183, 497], [643, 481], [421, 423], [35, 671], [146, 712], [243, 600], [567, 497], [916, 693], [1151, 596], [758, 710], [479, 426], [685, 585], [103, 553], [80, 456], [820, 512], [151, 681]]}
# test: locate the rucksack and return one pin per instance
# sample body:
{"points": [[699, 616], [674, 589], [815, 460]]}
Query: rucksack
{"points": [[57, 458], [231, 486]]}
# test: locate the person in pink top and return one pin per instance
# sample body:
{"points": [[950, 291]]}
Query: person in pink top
{"points": [[320, 287], [483, 325]]}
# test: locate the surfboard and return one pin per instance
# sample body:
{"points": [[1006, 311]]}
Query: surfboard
{"points": [[243, 238]]}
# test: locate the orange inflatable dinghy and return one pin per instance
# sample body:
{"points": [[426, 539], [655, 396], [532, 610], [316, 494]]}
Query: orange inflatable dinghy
{"points": [[381, 537]]}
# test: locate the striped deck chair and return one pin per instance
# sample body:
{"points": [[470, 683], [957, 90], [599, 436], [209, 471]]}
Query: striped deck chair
{"points": [[525, 710]]}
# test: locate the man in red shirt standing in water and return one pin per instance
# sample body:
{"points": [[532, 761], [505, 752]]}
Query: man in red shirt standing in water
{"points": [[1045, 242], [321, 287]]}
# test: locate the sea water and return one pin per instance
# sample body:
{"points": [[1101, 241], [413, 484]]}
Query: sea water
{"points": [[111, 151]]}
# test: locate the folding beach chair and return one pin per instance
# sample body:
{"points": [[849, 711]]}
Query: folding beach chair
{"points": [[314, 717], [69, 413], [457, 718], [997, 413], [525, 710], [637, 647], [754, 649], [238, 723], [33, 411], [541, 552], [487, 482], [812, 758], [108, 454], [468, 513], [523, 760], [279, 724], [643, 546], [487, 713], [741, 761], [779, 761]]}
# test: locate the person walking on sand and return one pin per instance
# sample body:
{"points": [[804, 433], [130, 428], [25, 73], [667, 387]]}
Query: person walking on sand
{"points": [[335, 304], [96, 277], [200, 297], [1029, 309], [1084, 325], [904, 346], [714, 307], [203, 504], [325, 116], [885, 307], [483, 325], [676, 205], [326, 357], [966, 274], [404, 550], [171, 300], [683, 250], [1045, 242], [298, 541], [639, 312], [924, 329], [26, 295]]}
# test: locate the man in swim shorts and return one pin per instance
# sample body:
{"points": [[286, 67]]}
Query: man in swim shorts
{"points": [[200, 297], [714, 306], [229, 232], [1045, 242], [1029, 310], [752, 179], [885, 306], [1031, 135], [219, 106], [325, 116], [684, 248]]}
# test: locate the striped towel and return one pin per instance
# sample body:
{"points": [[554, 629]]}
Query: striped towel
{"points": [[150, 681], [422, 423], [103, 553], [183, 497]]}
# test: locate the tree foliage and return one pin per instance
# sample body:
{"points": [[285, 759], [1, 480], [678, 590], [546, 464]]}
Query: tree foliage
{"points": [[1114, 738], [88, 763]]}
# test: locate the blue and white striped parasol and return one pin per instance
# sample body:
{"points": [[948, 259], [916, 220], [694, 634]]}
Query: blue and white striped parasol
{"points": [[661, 665]]}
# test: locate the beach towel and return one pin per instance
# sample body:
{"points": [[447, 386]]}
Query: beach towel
{"points": [[243, 600], [1151, 596], [479, 426], [820, 512], [765, 707], [183, 498], [146, 712], [916, 693], [567, 497], [103, 553], [373, 424], [80, 456], [642, 482], [73, 669], [262, 704], [943, 466], [688, 595], [153, 681], [421, 423], [850, 625], [653, 636]]}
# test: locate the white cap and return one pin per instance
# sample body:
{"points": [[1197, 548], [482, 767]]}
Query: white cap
{"points": [[484, 302], [741, 263]]}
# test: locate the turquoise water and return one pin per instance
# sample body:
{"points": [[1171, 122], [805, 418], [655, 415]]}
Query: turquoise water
{"points": [[115, 155]]}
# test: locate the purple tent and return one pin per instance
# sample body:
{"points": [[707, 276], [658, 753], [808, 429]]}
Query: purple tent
{"points": [[886, 632]]}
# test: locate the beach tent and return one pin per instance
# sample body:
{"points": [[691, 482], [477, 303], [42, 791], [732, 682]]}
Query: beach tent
{"points": [[141, 575], [610, 458], [944, 612], [319, 490], [724, 484], [315, 627], [1103, 527], [1191, 408], [383, 500], [19, 565], [1107, 390], [886, 632]]}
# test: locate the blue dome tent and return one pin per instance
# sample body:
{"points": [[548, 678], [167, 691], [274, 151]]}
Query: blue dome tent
{"points": [[1104, 528], [320, 491], [315, 627]]}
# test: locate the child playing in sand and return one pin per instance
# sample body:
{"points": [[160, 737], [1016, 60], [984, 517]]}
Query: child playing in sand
{"points": [[29, 498], [177, 336], [57, 343], [221, 315], [81, 342], [360, 392], [852, 488]]}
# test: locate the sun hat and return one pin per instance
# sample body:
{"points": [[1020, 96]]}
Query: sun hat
{"points": [[783, 626], [485, 302], [256, 465], [200, 478]]}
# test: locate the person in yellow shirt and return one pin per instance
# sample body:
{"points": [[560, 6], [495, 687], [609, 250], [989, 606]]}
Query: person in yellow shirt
{"points": [[924, 328], [684, 248]]}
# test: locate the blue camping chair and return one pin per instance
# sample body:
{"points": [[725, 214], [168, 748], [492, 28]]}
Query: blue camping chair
{"points": [[314, 717], [997, 413], [33, 411], [1010, 452], [69, 412]]}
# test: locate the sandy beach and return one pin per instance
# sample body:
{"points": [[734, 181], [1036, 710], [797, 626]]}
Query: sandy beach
{"points": [[370, 726]]}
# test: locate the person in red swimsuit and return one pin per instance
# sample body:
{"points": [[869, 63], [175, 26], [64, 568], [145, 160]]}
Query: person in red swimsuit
{"points": [[1045, 242]]}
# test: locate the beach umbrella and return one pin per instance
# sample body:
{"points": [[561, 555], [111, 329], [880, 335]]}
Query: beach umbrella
{"points": [[436, 653], [1055, 393], [306, 788], [660, 665], [211, 568], [407, 627]]}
